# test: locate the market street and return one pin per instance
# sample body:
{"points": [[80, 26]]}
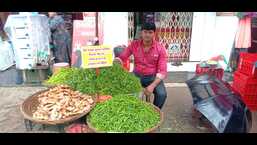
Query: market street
{"points": [[56, 69], [177, 110]]}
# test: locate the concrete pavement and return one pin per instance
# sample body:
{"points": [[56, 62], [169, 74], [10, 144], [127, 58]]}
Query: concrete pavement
{"points": [[177, 111]]}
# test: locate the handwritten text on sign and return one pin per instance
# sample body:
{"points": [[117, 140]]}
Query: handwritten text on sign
{"points": [[97, 56]]}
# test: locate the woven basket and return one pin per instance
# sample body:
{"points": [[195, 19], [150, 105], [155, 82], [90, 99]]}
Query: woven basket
{"points": [[94, 96], [29, 106], [151, 130]]}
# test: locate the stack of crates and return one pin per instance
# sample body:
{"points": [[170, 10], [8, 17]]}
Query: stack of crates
{"points": [[245, 79], [30, 39], [30, 36]]}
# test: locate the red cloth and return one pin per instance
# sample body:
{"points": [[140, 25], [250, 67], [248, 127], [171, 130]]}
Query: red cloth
{"points": [[147, 63], [243, 36], [217, 72]]}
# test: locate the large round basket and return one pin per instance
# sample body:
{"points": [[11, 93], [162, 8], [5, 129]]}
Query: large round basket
{"points": [[29, 106], [151, 130]]}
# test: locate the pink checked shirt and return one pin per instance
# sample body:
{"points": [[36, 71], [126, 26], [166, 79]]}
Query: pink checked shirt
{"points": [[153, 62]]}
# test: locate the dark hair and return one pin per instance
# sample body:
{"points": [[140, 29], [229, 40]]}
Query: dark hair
{"points": [[148, 26]]}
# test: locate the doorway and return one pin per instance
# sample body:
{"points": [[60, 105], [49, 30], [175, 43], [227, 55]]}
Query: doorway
{"points": [[173, 31]]}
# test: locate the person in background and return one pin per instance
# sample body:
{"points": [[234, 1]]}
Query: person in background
{"points": [[2, 33], [150, 60], [60, 38]]}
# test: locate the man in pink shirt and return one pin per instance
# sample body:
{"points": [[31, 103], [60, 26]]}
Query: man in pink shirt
{"points": [[150, 61]]}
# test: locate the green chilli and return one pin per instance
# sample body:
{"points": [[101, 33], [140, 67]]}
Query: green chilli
{"points": [[111, 80], [125, 114]]}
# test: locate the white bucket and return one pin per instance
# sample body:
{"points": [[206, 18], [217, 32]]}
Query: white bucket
{"points": [[58, 66]]}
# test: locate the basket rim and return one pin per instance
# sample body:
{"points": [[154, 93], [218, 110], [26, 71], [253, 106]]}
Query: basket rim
{"points": [[147, 131], [48, 122], [55, 85]]}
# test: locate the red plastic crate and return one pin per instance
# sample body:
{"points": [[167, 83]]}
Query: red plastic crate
{"points": [[250, 101], [244, 84], [217, 72], [248, 67], [247, 63], [249, 56]]}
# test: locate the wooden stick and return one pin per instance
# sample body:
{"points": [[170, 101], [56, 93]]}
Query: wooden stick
{"points": [[97, 71]]}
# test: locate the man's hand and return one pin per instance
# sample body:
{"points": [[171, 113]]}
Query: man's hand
{"points": [[149, 89], [117, 61]]}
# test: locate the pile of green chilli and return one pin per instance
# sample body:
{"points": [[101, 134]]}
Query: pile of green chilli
{"points": [[115, 80], [125, 114], [79, 79], [111, 80]]}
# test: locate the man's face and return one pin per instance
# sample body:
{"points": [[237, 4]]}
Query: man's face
{"points": [[147, 35]]}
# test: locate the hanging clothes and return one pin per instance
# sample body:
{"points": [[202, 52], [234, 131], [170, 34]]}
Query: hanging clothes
{"points": [[243, 36]]}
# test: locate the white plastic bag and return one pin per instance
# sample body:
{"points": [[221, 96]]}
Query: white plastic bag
{"points": [[7, 56]]}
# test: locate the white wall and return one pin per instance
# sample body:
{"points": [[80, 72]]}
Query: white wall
{"points": [[212, 35], [202, 31], [226, 27], [115, 28]]}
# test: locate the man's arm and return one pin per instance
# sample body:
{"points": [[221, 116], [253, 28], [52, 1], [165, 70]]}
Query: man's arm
{"points": [[162, 64], [124, 55], [162, 71]]}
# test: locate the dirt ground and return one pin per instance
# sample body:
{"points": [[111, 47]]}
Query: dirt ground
{"points": [[177, 111]]}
